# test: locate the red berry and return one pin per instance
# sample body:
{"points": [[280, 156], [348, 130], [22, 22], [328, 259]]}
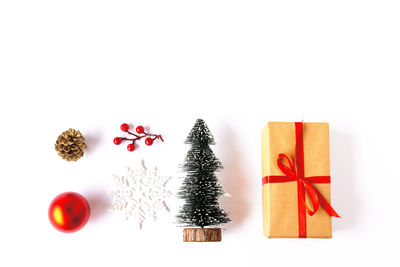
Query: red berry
{"points": [[131, 147], [149, 141], [117, 140], [124, 127], [139, 129]]}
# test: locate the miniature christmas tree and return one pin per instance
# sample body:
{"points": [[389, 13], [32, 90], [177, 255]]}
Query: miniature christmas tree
{"points": [[201, 188]]}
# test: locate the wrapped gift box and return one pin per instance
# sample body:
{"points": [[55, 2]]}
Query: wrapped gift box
{"points": [[296, 180]]}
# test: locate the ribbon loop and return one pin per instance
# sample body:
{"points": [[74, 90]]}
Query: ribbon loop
{"points": [[309, 188], [291, 171], [312, 193]]}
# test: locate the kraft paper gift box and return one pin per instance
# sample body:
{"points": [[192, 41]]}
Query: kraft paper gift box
{"points": [[296, 180]]}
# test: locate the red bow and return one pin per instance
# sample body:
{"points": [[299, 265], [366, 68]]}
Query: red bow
{"points": [[304, 184]]}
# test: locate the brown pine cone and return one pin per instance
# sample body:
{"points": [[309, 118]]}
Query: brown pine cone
{"points": [[70, 145]]}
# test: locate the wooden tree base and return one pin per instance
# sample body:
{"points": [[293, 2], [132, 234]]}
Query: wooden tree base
{"points": [[202, 235]]}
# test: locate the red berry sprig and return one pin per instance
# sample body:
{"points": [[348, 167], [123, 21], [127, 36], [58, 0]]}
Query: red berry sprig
{"points": [[136, 137]]}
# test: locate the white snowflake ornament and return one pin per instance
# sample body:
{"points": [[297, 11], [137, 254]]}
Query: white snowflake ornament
{"points": [[140, 194]]}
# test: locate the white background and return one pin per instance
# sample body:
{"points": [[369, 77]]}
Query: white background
{"points": [[92, 65]]}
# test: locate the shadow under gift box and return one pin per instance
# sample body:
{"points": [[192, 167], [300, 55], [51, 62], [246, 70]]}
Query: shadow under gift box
{"points": [[280, 199]]}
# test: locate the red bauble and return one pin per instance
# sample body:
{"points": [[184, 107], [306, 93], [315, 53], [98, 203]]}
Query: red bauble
{"points": [[124, 127], [117, 140], [69, 212], [131, 147], [149, 141], [140, 129]]}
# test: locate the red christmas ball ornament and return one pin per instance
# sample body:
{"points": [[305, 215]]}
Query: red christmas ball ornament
{"points": [[130, 147], [149, 141], [124, 127], [140, 129], [117, 140], [69, 212]]}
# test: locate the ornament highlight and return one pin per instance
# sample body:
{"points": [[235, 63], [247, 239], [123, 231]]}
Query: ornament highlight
{"points": [[69, 212]]}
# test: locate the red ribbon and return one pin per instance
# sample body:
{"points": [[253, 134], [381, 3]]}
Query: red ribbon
{"points": [[304, 184]]}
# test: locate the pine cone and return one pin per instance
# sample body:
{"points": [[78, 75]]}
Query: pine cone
{"points": [[70, 145]]}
